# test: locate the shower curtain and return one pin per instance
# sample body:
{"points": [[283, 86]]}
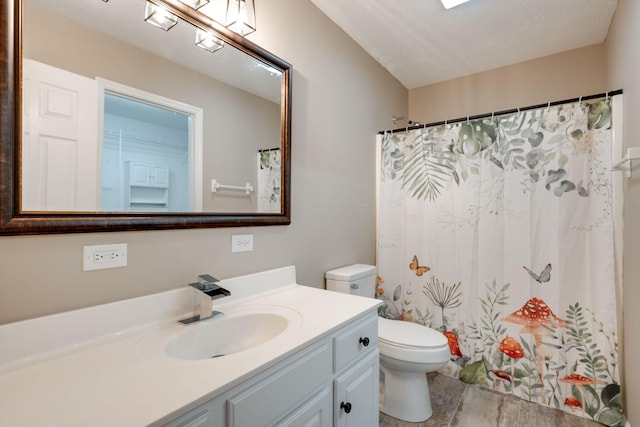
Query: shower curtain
{"points": [[269, 177], [499, 233]]}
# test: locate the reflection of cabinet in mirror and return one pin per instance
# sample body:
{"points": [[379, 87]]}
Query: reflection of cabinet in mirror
{"points": [[147, 187]]}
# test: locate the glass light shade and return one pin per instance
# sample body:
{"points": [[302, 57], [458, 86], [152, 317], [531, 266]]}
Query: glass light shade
{"points": [[208, 41], [195, 4], [241, 16], [160, 17], [448, 4]]}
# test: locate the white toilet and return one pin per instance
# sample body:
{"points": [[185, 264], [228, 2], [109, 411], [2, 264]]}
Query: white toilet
{"points": [[407, 350]]}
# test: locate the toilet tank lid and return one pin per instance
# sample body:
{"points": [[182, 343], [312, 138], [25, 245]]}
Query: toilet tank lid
{"points": [[351, 272]]}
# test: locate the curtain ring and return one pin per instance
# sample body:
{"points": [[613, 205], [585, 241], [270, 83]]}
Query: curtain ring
{"points": [[580, 100], [607, 98]]}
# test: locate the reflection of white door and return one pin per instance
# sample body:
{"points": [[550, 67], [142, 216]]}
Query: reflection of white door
{"points": [[60, 166]]}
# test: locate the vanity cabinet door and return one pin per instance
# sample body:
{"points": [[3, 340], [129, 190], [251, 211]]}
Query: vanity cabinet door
{"points": [[357, 394], [264, 402], [206, 415], [316, 412]]}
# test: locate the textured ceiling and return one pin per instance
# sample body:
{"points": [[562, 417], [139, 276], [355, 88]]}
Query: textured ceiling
{"points": [[421, 43]]}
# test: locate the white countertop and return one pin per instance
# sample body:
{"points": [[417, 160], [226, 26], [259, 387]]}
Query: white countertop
{"points": [[101, 378]]}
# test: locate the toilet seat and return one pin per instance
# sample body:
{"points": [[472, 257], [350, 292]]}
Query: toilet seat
{"points": [[411, 342], [409, 335]]}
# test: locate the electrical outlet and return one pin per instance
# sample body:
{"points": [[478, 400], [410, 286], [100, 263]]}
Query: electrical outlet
{"points": [[241, 242], [97, 257]]}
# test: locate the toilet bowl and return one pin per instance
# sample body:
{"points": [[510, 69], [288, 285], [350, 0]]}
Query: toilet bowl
{"points": [[407, 350]]}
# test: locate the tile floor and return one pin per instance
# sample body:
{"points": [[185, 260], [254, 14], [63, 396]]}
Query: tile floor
{"points": [[456, 404]]}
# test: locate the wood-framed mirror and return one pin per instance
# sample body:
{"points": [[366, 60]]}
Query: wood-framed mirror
{"points": [[216, 154]]}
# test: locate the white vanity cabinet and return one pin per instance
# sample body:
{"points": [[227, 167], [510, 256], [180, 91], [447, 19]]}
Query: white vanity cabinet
{"points": [[320, 371], [332, 382], [356, 374]]}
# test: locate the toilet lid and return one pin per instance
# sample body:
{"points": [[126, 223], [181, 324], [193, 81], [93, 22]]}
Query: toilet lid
{"points": [[407, 334]]}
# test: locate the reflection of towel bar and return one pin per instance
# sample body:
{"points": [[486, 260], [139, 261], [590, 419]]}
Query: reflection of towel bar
{"points": [[215, 186], [632, 154]]}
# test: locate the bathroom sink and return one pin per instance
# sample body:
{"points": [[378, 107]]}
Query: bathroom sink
{"points": [[236, 330], [226, 335]]}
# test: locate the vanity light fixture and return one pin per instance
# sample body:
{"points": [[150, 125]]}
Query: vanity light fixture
{"points": [[195, 4], [448, 4], [208, 41], [241, 16], [160, 17]]}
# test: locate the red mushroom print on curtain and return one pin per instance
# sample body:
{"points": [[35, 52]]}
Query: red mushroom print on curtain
{"points": [[578, 381], [573, 404], [538, 320], [511, 348], [454, 346]]}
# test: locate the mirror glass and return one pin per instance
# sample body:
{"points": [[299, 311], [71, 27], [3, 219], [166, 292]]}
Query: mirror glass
{"points": [[122, 117]]}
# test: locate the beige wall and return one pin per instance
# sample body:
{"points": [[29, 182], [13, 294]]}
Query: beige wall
{"points": [[623, 61], [552, 78], [341, 98]]}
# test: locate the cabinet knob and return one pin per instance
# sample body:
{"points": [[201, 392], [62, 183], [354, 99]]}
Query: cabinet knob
{"points": [[364, 341], [346, 407]]}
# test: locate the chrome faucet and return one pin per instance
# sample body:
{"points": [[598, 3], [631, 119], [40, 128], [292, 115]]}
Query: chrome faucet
{"points": [[206, 290]]}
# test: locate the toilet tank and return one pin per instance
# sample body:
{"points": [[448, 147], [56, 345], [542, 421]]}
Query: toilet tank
{"points": [[356, 279]]}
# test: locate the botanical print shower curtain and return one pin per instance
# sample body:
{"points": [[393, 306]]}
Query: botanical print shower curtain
{"points": [[499, 233], [269, 177]]}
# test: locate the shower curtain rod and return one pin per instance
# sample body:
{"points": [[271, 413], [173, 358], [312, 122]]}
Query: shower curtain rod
{"points": [[504, 112]]}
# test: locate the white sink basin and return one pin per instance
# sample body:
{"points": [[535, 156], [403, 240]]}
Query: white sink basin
{"points": [[238, 329], [226, 335]]}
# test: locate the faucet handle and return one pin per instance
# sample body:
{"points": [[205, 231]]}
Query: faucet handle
{"points": [[206, 280]]}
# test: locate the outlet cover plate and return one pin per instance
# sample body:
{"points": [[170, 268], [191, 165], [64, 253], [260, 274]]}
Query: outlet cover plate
{"points": [[98, 257], [241, 242]]}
